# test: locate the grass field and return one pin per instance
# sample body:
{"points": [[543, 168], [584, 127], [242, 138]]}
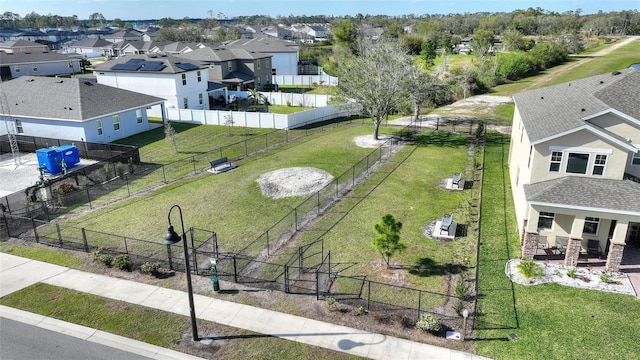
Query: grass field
{"points": [[551, 321]]}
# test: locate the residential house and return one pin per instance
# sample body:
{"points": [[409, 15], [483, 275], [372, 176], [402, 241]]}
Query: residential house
{"points": [[574, 156], [182, 83], [236, 68], [22, 46], [74, 109], [277, 32], [284, 54], [123, 35], [13, 65], [91, 47]]}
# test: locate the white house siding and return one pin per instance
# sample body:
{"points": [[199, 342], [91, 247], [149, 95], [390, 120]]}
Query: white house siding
{"points": [[46, 69], [520, 172], [166, 86], [58, 129]]}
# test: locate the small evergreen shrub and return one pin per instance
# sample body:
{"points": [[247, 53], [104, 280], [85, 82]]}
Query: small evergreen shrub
{"points": [[122, 262], [105, 259], [605, 278], [149, 268], [458, 307], [530, 269], [572, 273], [430, 323], [360, 311]]}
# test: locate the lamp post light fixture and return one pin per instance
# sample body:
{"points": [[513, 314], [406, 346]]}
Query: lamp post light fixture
{"points": [[171, 238], [465, 315]]}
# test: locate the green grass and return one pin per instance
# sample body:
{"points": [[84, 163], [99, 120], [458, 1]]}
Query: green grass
{"points": [[230, 204], [284, 109], [551, 321], [156, 327], [44, 254], [618, 59]]}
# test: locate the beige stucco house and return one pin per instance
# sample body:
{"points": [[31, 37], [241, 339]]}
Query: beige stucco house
{"points": [[574, 166]]}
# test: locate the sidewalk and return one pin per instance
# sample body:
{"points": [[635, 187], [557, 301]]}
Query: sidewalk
{"points": [[17, 273]]}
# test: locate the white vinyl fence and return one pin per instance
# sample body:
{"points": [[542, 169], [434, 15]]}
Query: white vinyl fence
{"points": [[256, 119], [307, 80]]}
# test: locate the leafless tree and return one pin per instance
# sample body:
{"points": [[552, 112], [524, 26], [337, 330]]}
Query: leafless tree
{"points": [[374, 78]]}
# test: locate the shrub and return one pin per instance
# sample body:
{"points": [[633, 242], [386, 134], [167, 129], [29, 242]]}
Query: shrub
{"points": [[107, 171], [461, 289], [458, 307], [149, 268], [572, 273], [66, 188], [132, 167], [331, 301], [530, 269], [122, 262], [106, 259], [120, 169], [605, 278], [360, 311], [430, 323]]}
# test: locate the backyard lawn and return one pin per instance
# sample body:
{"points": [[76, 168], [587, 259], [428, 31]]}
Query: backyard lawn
{"points": [[550, 321]]}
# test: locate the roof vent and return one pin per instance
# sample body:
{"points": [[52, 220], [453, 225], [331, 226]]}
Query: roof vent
{"points": [[541, 97], [601, 82], [30, 80], [616, 73], [583, 109]]}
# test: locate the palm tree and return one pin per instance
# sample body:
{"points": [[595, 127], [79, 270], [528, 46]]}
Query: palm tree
{"points": [[257, 97]]}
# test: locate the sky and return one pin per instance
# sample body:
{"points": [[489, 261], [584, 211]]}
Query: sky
{"points": [[178, 9]]}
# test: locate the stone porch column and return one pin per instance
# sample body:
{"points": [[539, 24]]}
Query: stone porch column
{"points": [[574, 245], [615, 257], [529, 245]]}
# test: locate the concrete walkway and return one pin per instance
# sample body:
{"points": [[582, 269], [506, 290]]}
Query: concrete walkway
{"points": [[17, 273]]}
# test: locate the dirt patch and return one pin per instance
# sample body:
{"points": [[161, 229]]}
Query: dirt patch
{"points": [[367, 141], [294, 181]]}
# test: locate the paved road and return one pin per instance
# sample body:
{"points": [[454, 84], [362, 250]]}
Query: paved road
{"points": [[19, 341]]}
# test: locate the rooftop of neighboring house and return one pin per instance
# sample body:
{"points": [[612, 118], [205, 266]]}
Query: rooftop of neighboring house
{"points": [[69, 98], [604, 194], [222, 53], [16, 44], [140, 44], [565, 107], [153, 63], [264, 45], [91, 43], [33, 58]]}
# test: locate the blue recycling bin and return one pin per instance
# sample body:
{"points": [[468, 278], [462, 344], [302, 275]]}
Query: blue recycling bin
{"points": [[49, 158]]}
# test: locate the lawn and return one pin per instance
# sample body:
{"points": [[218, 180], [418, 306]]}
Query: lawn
{"points": [[551, 321], [231, 203], [156, 327]]}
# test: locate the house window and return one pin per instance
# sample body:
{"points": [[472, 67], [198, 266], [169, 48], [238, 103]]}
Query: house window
{"points": [[636, 158], [577, 163], [200, 99], [185, 102], [545, 220], [99, 125], [19, 128], [598, 166], [35, 67], [184, 79], [556, 159], [591, 225], [199, 76], [139, 116], [116, 122], [16, 69]]}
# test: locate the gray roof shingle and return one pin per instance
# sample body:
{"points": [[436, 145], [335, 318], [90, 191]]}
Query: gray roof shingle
{"points": [[168, 60], [69, 98], [556, 109], [585, 192], [34, 58]]}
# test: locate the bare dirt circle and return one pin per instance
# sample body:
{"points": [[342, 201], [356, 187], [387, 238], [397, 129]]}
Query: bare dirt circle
{"points": [[367, 141], [294, 181]]}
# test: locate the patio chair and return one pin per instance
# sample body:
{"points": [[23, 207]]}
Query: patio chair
{"points": [[561, 243], [593, 248], [542, 242]]}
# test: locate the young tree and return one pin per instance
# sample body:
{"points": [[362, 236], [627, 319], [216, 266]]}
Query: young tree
{"points": [[170, 134], [424, 89], [428, 51], [228, 120], [387, 241], [374, 79]]}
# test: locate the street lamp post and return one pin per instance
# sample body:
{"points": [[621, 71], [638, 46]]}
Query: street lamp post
{"points": [[170, 239]]}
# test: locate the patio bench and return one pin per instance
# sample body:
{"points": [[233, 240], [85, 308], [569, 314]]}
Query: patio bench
{"points": [[221, 165], [455, 180]]}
